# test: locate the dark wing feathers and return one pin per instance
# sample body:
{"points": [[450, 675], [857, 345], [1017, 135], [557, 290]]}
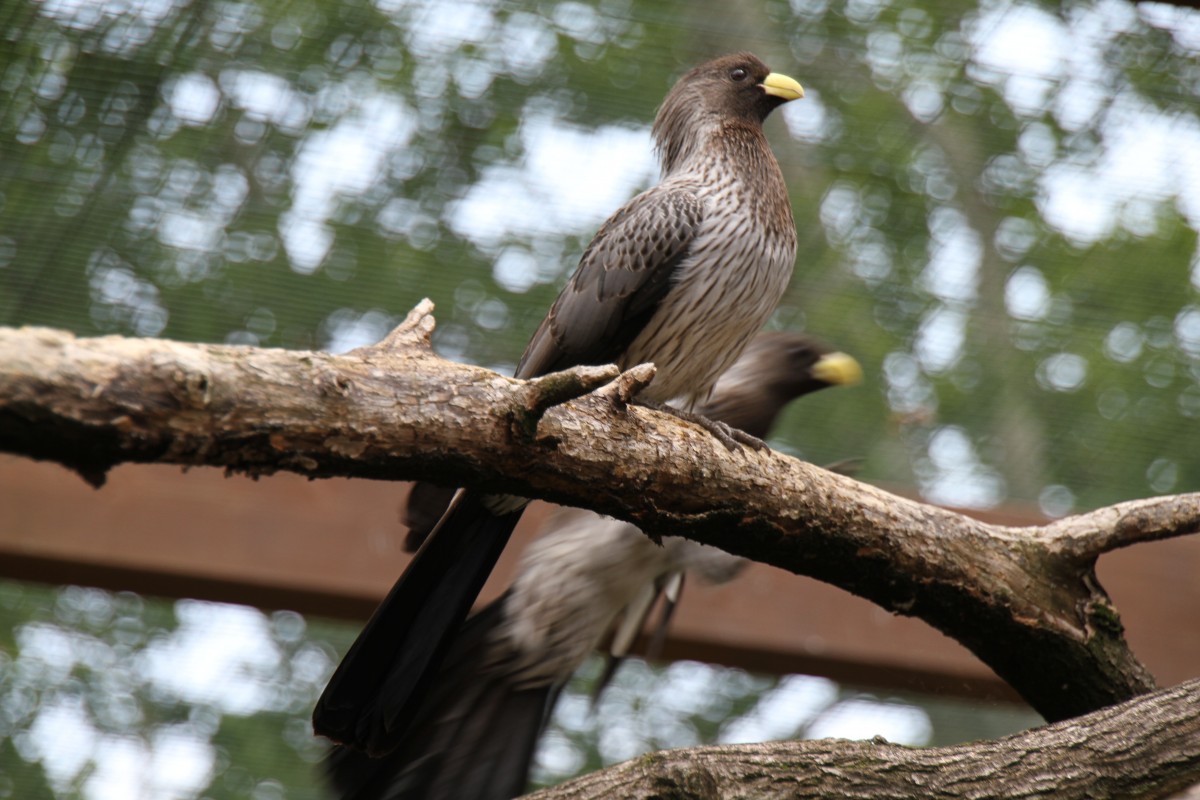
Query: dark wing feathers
{"points": [[622, 277]]}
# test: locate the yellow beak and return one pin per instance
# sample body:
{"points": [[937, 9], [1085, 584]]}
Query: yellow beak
{"points": [[782, 86], [837, 369]]}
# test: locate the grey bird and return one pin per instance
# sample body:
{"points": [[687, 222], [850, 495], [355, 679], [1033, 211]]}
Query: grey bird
{"points": [[683, 275], [587, 579]]}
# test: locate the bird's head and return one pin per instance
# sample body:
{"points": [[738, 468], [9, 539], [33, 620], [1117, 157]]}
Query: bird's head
{"points": [[734, 89], [773, 370], [805, 364]]}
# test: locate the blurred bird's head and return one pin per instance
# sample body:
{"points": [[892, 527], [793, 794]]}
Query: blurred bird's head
{"points": [[805, 364], [737, 89], [775, 369]]}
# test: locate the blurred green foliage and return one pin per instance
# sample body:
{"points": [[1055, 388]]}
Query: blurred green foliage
{"points": [[997, 205], [112, 695]]}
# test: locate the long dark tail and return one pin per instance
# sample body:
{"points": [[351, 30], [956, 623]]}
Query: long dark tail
{"points": [[372, 699], [473, 737]]}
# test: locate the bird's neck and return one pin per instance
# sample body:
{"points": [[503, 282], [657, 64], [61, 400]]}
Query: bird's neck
{"points": [[731, 146], [737, 158]]}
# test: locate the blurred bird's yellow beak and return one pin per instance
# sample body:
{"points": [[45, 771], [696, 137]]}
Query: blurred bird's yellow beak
{"points": [[783, 87], [837, 369]]}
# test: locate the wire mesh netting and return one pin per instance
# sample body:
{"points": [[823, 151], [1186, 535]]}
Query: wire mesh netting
{"points": [[997, 205]]}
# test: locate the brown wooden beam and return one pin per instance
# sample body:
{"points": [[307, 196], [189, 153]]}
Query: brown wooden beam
{"points": [[333, 548]]}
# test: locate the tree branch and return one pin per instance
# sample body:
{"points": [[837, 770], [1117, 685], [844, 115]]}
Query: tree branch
{"points": [[395, 411], [1084, 537], [1148, 747]]}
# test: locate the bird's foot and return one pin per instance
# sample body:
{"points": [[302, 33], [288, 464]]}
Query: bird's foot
{"points": [[731, 437]]}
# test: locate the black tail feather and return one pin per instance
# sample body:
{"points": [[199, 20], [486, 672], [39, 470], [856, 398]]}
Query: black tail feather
{"points": [[372, 698], [473, 737]]}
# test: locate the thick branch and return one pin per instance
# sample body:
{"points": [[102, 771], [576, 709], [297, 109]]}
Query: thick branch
{"points": [[91, 404], [1146, 748], [395, 411]]}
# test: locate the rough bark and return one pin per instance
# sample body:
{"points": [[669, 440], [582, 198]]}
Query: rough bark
{"points": [[1145, 748], [396, 411]]}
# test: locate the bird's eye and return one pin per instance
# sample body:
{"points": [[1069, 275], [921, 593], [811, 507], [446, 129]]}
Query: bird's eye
{"points": [[738, 74]]}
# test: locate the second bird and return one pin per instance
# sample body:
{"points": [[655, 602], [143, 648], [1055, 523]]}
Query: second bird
{"points": [[587, 579]]}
